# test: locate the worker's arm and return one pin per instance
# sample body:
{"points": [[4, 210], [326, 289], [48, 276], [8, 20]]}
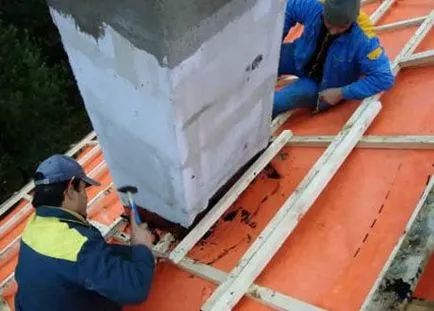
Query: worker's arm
{"points": [[298, 11], [377, 75], [123, 280]]}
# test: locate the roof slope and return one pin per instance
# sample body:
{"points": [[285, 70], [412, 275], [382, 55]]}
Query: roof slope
{"points": [[337, 251]]}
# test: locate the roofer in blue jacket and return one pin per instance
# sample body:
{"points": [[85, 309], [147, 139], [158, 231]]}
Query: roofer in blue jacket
{"points": [[338, 56], [64, 263]]}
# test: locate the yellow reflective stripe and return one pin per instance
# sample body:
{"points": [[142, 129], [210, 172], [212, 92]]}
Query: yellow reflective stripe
{"points": [[375, 54], [366, 25], [50, 237]]}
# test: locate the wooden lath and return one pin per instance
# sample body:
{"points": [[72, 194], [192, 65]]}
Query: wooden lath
{"points": [[249, 267], [261, 294], [417, 21], [286, 219], [421, 59], [370, 142], [420, 305], [408, 258], [241, 279], [229, 198], [381, 11], [203, 226]]}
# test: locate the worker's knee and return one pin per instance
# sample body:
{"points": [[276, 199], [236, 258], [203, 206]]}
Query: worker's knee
{"points": [[300, 94]]}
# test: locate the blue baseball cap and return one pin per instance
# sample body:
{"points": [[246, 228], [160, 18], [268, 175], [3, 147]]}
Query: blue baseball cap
{"points": [[60, 168]]}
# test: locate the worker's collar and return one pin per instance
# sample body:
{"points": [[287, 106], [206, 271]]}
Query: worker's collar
{"points": [[338, 36], [344, 34], [62, 213]]}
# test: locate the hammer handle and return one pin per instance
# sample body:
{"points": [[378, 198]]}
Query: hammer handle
{"points": [[134, 209]]}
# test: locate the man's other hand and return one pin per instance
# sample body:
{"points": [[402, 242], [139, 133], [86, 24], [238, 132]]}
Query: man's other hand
{"points": [[331, 96], [140, 234]]}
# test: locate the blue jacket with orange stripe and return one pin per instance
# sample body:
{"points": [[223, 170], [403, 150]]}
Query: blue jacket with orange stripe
{"points": [[355, 61], [65, 264]]}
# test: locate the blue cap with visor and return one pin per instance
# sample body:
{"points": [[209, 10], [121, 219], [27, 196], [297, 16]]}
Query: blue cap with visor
{"points": [[59, 168]]}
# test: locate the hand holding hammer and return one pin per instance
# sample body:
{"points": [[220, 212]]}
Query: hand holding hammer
{"points": [[140, 233]]}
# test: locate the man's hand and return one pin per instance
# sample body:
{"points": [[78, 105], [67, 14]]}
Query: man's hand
{"points": [[140, 234], [331, 96]]}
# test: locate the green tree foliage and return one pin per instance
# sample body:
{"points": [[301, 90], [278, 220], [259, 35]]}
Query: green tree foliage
{"points": [[33, 17], [41, 112]]}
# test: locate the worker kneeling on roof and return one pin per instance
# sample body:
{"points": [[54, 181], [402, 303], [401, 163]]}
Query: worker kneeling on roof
{"points": [[64, 263], [338, 56]]}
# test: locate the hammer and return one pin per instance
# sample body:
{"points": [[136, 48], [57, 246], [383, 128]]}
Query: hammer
{"points": [[130, 191]]}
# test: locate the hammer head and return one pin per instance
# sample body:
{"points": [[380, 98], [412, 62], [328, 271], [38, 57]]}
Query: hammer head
{"points": [[126, 189]]}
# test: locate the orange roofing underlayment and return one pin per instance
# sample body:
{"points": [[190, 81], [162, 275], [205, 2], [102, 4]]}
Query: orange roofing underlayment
{"points": [[335, 254]]}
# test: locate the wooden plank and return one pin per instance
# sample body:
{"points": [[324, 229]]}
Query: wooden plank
{"points": [[89, 155], [7, 281], [417, 21], [283, 223], [229, 198], [81, 144], [17, 218], [263, 295], [415, 40], [101, 227], [381, 10], [97, 170], [407, 261], [373, 142], [28, 197], [115, 227], [280, 120], [108, 231], [99, 196], [420, 305], [4, 305], [162, 247], [14, 243], [421, 59], [12, 201], [4, 207]]}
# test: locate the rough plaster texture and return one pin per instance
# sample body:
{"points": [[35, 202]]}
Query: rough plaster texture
{"points": [[176, 128], [168, 29]]}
